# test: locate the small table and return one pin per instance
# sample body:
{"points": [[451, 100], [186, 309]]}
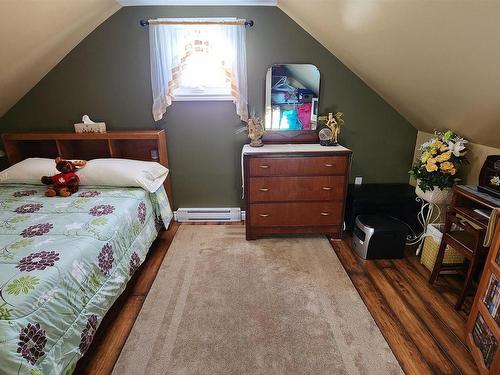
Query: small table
{"points": [[467, 198]]}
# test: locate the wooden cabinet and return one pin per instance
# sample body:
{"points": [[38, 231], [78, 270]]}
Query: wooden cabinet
{"points": [[483, 325], [295, 189]]}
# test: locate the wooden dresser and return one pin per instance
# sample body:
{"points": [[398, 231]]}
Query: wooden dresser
{"points": [[295, 188]]}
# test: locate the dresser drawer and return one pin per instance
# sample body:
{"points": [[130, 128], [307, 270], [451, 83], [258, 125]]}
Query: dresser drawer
{"points": [[298, 166], [314, 188], [296, 214]]}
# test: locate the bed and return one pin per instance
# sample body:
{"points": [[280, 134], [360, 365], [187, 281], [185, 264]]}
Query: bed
{"points": [[64, 261]]}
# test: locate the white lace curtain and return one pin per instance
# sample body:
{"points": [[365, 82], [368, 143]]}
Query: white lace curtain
{"points": [[172, 45]]}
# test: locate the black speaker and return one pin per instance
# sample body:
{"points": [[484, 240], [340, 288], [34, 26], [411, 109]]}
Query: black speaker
{"points": [[396, 200], [379, 237]]}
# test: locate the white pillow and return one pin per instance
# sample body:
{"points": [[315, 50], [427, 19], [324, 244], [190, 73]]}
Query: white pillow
{"points": [[28, 171], [123, 172]]}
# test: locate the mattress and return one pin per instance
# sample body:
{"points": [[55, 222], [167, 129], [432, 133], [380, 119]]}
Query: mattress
{"points": [[63, 262]]}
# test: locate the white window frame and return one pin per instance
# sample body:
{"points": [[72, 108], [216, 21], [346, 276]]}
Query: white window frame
{"points": [[189, 94]]}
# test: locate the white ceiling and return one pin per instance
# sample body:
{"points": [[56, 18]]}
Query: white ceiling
{"points": [[437, 62], [35, 35]]}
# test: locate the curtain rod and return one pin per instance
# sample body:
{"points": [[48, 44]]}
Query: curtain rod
{"points": [[145, 23]]}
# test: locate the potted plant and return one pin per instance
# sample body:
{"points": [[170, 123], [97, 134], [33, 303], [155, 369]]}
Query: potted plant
{"points": [[436, 169]]}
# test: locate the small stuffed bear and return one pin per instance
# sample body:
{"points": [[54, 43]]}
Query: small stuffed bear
{"points": [[64, 183]]}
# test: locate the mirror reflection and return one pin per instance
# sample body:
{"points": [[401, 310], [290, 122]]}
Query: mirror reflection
{"points": [[292, 96]]}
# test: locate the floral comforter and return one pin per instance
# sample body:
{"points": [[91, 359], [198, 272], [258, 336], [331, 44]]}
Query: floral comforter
{"points": [[63, 262]]}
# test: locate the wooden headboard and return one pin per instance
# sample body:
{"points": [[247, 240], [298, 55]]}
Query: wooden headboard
{"points": [[136, 145]]}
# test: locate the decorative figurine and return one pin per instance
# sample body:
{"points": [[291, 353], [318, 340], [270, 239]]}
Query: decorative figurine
{"points": [[255, 130], [329, 135]]}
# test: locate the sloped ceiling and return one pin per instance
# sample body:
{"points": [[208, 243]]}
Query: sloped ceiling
{"points": [[436, 62], [36, 34]]}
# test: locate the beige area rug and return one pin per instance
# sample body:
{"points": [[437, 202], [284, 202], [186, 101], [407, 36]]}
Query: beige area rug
{"points": [[223, 305]]}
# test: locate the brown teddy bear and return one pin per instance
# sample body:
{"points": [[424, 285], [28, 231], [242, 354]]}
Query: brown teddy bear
{"points": [[65, 183]]}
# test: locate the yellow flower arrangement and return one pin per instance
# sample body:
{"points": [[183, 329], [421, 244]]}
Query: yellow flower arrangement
{"points": [[441, 158]]}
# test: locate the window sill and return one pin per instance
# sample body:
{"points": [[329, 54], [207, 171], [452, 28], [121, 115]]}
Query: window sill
{"points": [[202, 98]]}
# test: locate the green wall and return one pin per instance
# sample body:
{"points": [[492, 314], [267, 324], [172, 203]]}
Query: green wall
{"points": [[107, 76]]}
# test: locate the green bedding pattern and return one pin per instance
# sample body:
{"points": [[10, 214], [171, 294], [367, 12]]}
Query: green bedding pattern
{"points": [[63, 262]]}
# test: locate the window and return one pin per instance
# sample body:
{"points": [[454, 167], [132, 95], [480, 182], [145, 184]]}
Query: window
{"points": [[203, 76], [203, 59]]}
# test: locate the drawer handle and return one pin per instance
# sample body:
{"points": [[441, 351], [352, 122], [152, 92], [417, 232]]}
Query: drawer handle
{"points": [[327, 188], [325, 214], [264, 189], [264, 166], [263, 215], [328, 165]]}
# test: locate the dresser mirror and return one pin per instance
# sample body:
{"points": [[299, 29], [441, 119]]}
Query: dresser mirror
{"points": [[292, 97]]}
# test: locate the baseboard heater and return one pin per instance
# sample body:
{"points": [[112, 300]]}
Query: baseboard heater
{"points": [[209, 214]]}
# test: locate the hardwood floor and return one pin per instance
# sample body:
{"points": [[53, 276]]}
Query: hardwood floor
{"points": [[118, 322], [418, 321]]}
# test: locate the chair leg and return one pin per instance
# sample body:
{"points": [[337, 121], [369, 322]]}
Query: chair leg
{"points": [[468, 281], [438, 263]]}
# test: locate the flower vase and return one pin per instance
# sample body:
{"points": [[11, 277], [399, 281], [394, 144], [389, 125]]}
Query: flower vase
{"points": [[434, 196]]}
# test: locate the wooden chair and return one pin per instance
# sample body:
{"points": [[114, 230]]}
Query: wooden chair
{"points": [[466, 239]]}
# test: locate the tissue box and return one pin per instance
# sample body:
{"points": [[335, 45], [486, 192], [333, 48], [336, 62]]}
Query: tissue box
{"points": [[98, 127]]}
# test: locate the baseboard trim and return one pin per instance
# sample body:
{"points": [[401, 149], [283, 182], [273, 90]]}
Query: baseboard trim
{"points": [[208, 214]]}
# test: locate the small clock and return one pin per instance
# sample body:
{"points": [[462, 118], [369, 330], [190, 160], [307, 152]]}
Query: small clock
{"points": [[325, 137], [489, 178]]}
